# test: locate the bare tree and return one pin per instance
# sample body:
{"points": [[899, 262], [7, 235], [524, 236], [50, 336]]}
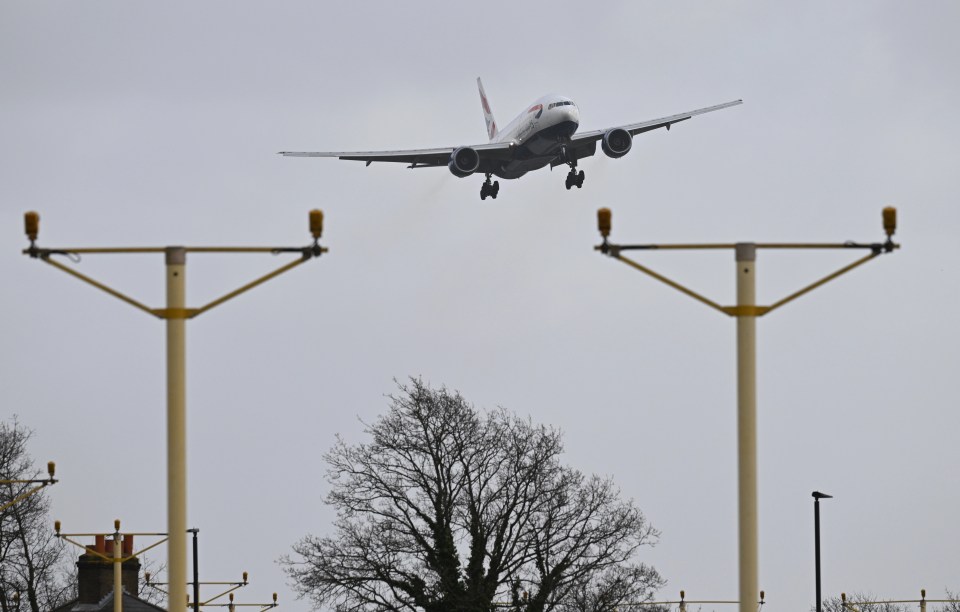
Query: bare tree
{"points": [[145, 589], [31, 558], [867, 602], [450, 509], [950, 606], [862, 602]]}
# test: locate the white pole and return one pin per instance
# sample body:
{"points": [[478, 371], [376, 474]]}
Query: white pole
{"points": [[746, 255], [176, 260]]}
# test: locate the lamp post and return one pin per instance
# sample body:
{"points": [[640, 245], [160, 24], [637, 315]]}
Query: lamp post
{"points": [[817, 496], [175, 314], [196, 571], [746, 312]]}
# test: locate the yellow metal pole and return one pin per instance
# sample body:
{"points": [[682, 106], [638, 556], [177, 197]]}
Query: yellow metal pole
{"points": [[117, 573], [22, 496], [175, 315], [746, 256], [176, 261]]}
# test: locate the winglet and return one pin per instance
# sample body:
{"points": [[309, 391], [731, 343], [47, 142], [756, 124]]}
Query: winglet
{"points": [[487, 113]]}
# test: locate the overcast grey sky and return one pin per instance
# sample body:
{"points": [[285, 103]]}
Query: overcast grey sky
{"points": [[134, 123]]}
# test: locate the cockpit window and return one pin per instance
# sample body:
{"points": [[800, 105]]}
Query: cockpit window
{"points": [[556, 104]]}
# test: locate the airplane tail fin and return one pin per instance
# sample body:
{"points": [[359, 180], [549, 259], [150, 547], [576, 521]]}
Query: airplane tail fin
{"points": [[487, 113]]}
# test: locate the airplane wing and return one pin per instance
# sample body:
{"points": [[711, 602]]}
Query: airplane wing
{"points": [[417, 158], [585, 139]]}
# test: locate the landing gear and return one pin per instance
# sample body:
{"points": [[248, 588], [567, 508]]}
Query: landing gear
{"points": [[489, 189], [575, 178]]}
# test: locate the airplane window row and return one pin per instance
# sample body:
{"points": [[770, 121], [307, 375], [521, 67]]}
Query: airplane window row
{"points": [[565, 103]]}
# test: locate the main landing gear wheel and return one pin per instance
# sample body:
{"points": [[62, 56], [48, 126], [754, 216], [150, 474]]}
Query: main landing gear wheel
{"points": [[489, 189], [575, 178]]}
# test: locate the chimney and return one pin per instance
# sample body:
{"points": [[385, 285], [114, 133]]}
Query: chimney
{"points": [[95, 574]]}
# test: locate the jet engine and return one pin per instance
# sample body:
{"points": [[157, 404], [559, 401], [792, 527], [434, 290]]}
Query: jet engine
{"points": [[464, 161], [616, 142]]}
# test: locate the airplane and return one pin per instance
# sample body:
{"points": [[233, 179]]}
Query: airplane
{"points": [[543, 134]]}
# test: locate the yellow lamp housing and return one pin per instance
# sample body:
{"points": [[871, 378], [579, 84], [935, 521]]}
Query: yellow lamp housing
{"points": [[31, 222], [231, 597], [682, 595], [316, 223], [889, 220], [51, 469], [604, 216], [762, 595], [244, 577], [274, 598], [56, 527], [116, 525]]}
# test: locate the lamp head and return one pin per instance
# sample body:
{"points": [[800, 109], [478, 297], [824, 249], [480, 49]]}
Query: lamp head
{"points": [[604, 218], [244, 577], [316, 223], [819, 495], [274, 598], [146, 576], [116, 525], [682, 595], [31, 222], [56, 527], [889, 220]]}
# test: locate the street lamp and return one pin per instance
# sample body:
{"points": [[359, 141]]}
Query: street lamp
{"points": [[817, 496], [746, 312], [175, 314]]}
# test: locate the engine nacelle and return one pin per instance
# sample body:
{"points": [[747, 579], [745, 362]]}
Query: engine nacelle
{"points": [[464, 161], [616, 142]]}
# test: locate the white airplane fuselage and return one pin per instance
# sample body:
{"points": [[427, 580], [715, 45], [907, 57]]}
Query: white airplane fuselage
{"points": [[538, 134]]}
